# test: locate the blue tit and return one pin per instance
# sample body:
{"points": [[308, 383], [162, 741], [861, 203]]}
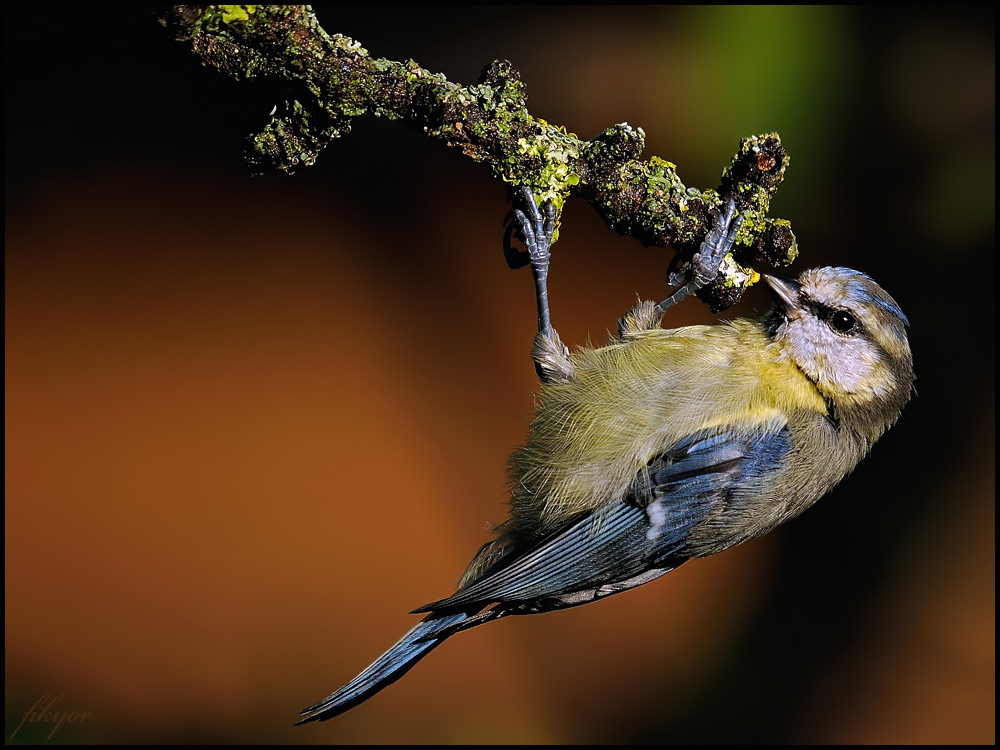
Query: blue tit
{"points": [[665, 445]]}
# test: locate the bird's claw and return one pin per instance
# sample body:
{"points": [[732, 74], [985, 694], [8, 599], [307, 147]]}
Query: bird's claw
{"points": [[704, 265], [717, 243], [537, 230]]}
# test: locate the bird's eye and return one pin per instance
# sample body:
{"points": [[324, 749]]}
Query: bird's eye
{"points": [[843, 321]]}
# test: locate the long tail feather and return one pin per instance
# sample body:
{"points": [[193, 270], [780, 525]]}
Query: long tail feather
{"points": [[389, 667]]}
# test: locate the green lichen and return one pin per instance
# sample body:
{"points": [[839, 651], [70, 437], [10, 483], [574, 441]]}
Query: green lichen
{"points": [[553, 178], [237, 12]]}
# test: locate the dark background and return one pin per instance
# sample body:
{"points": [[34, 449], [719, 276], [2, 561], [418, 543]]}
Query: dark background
{"points": [[251, 423]]}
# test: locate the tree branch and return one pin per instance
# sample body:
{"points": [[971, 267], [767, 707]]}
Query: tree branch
{"points": [[331, 79]]}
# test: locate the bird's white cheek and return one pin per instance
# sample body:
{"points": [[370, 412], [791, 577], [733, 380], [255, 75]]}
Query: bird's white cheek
{"points": [[805, 342], [854, 369]]}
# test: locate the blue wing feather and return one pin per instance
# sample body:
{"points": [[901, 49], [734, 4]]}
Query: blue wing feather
{"points": [[388, 668]]}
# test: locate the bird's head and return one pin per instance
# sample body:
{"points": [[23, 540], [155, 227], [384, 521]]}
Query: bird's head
{"points": [[848, 336]]}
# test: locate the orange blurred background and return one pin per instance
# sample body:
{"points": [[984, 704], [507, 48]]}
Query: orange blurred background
{"points": [[251, 423]]}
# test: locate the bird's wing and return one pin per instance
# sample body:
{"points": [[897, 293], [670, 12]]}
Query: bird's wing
{"points": [[629, 542], [710, 470]]}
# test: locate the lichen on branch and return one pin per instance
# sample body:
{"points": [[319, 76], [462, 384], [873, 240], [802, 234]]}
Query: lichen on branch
{"points": [[331, 79]]}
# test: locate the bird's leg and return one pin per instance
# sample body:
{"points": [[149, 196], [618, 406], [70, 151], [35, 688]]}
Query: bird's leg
{"points": [[551, 356], [538, 242], [702, 269]]}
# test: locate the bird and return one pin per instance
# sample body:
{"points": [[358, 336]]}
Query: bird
{"points": [[670, 444]]}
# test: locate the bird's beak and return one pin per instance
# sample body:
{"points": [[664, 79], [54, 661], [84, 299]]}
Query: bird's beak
{"points": [[785, 291]]}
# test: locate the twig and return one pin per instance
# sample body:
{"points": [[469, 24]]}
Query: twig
{"points": [[331, 79]]}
